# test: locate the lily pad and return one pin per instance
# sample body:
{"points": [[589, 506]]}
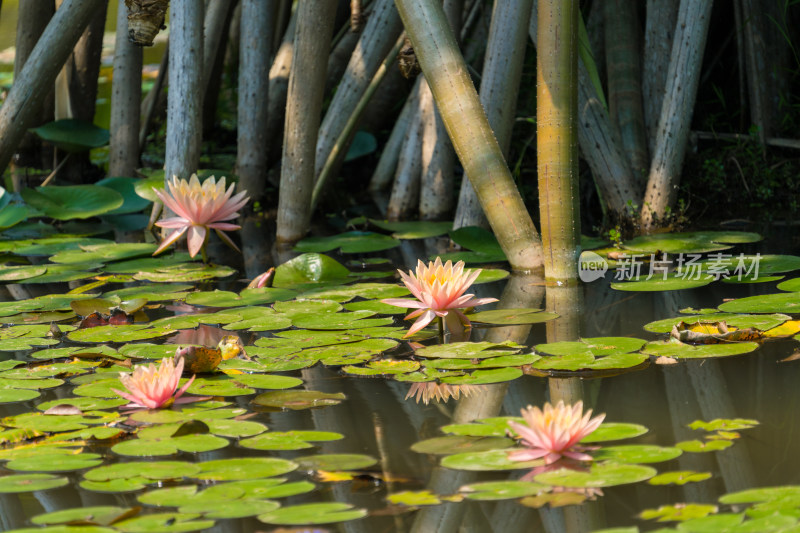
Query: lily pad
{"points": [[334, 461], [599, 475], [103, 252], [413, 229], [243, 468], [30, 482], [480, 241], [460, 444], [55, 462], [672, 282], [152, 471], [351, 242], [21, 272], [288, 440], [485, 377], [693, 511], [73, 135], [784, 302], [487, 461], [119, 333], [313, 513], [345, 293], [219, 298], [72, 201], [679, 350], [609, 431], [164, 523], [636, 453], [309, 268], [469, 350], [502, 490], [739, 321], [132, 202], [679, 477], [101, 515]]}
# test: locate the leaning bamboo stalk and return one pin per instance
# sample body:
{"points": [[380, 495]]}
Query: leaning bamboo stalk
{"points": [[255, 39], [23, 103], [683, 76], [279, 84], [755, 53], [126, 90], [658, 34], [384, 170], [214, 24], [339, 148], [185, 96], [150, 102], [470, 132], [502, 72], [303, 108], [405, 189], [379, 35], [623, 62], [436, 174], [85, 67], [556, 135]]}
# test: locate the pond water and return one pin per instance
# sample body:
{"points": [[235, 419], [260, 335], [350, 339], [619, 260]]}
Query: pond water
{"points": [[316, 427]]}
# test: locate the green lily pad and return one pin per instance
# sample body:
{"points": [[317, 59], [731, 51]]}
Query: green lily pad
{"points": [[84, 403], [218, 385], [761, 322], [342, 293], [132, 202], [288, 440], [672, 282], [469, 350], [690, 242], [784, 302], [485, 377], [351, 242], [132, 266], [72, 201], [486, 461], [383, 367], [414, 498], [609, 431], [698, 446], [73, 135], [313, 513], [486, 427], [599, 475], [119, 333], [375, 306], [21, 272], [13, 214], [478, 240], [460, 444], [185, 272], [102, 515], [170, 445], [152, 293], [636, 453], [219, 298], [679, 350], [309, 268], [55, 462], [508, 317], [413, 229], [679, 477], [30, 482], [328, 321], [152, 471], [693, 511], [103, 252], [502, 490], [17, 395], [243, 468], [334, 461], [164, 523]]}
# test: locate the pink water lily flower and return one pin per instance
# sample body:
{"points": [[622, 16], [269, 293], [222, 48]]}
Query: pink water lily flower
{"points": [[199, 208], [438, 289], [554, 432], [150, 387]]}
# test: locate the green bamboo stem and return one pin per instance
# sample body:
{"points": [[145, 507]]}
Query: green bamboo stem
{"points": [[557, 139], [342, 141], [472, 137]]}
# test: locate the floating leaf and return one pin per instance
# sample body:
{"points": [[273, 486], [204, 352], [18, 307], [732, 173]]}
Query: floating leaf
{"points": [[364, 290], [680, 477], [460, 444], [690, 511], [73, 135], [784, 302], [72, 201], [697, 446], [288, 440], [313, 513], [502, 490], [151, 471], [414, 498], [599, 475], [121, 333], [219, 298], [243, 468], [55, 463], [486, 461], [636, 453], [418, 229], [609, 431], [351, 242], [21, 272], [309, 268], [672, 282], [724, 424], [333, 461], [679, 350], [103, 252], [102, 515], [761, 322], [468, 350], [485, 377], [164, 523], [126, 187], [30, 482]]}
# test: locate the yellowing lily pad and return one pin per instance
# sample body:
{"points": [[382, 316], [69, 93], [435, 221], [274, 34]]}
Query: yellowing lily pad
{"points": [[297, 399], [313, 513]]}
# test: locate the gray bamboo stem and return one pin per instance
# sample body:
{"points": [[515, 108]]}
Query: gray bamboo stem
{"points": [[405, 189], [279, 84], [303, 108], [384, 170], [185, 96], [683, 76], [23, 103], [658, 34], [379, 35], [85, 66], [502, 72], [470, 131], [126, 89], [251, 160], [213, 27]]}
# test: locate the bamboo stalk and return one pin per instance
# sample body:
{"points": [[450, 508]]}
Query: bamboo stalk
{"points": [[470, 132], [405, 189], [150, 102], [658, 35], [126, 89], [384, 170], [303, 107], [676, 112]]}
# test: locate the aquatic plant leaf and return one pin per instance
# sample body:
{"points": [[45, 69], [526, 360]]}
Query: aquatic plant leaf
{"points": [[44, 317], [375, 306], [469, 350], [170, 445], [689, 242], [680, 477], [185, 272], [151, 293], [132, 266], [152, 471], [47, 246], [486, 461], [485, 377], [414, 229], [202, 411], [739, 321], [792, 285], [243, 468], [84, 403], [351, 242], [219, 298], [672, 282], [8, 395], [100, 515], [636, 453], [575, 361], [383, 367], [460, 444], [266, 322], [21, 272], [30, 482], [478, 239], [599, 475], [120, 333], [345, 293], [486, 427], [329, 321], [492, 362], [218, 385], [336, 461], [55, 462], [512, 316], [502, 490], [68, 202], [698, 446], [679, 350], [313, 513], [288, 440], [790, 495], [230, 509], [116, 485], [689, 511], [729, 424], [126, 187], [164, 523], [266, 381], [103, 252], [13, 214], [784, 302], [302, 306], [309, 268], [235, 428], [413, 498], [609, 431], [73, 135]]}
